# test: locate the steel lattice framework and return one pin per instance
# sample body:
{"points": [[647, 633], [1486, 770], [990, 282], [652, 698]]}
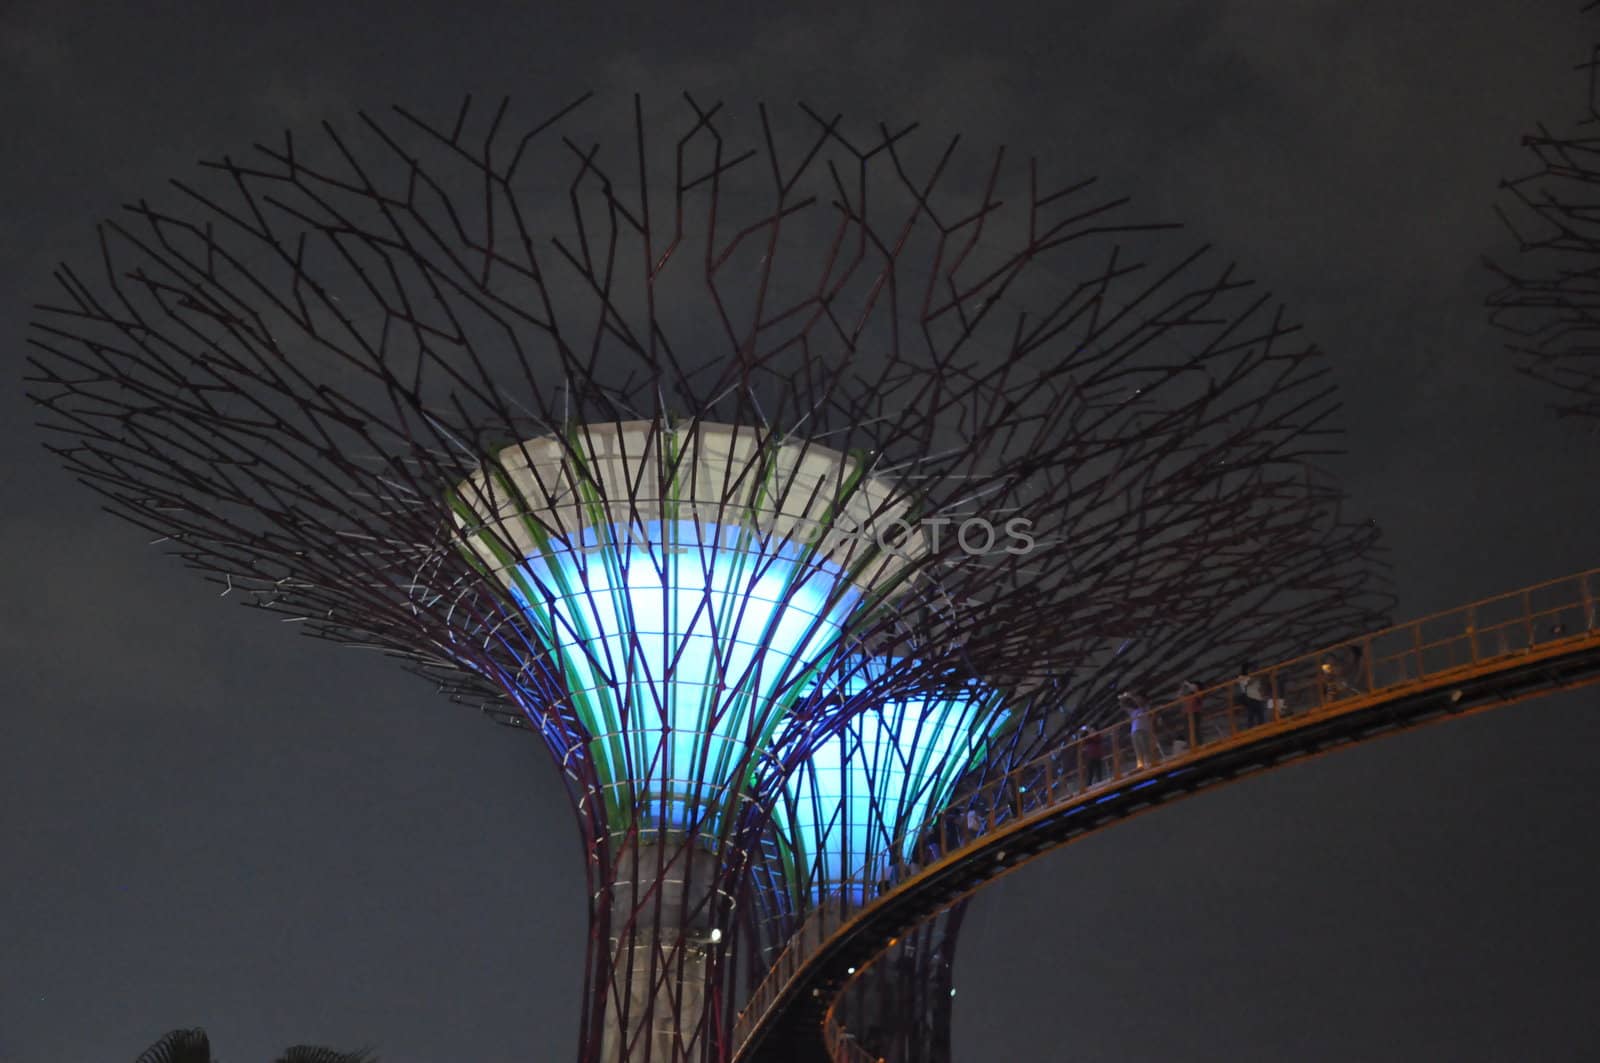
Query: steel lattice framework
{"points": [[1548, 302], [784, 476]]}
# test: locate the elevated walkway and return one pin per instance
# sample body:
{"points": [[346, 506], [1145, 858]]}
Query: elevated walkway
{"points": [[1520, 645]]}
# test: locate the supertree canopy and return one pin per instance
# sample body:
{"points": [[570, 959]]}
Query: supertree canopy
{"points": [[707, 605], [783, 476], [853, 808], [1548, 299]]}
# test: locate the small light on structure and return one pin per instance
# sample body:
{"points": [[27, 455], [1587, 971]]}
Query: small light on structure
{"points": [[716, 934], [952, 991], [850, 970], [894, 941]]}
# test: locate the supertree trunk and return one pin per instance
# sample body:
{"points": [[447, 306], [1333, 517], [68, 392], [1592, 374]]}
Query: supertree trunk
{"points": [[654, 969]]}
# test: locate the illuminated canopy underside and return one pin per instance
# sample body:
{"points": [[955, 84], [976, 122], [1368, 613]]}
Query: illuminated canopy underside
{"points": [[857, 804], [688, 585]]}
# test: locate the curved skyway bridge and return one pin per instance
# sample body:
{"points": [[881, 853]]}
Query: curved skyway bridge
{"points": [[1520, 645]]}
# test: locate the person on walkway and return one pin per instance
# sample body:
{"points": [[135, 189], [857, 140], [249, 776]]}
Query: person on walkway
{"points": [[1092, 747], [1253, 696], [1143, 729], [1335, 684]]}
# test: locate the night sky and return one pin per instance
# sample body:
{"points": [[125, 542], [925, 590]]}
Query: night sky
{"points": [[205, 819]]}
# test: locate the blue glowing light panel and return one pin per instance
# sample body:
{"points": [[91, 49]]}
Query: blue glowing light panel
{"points": [[854, 808], [682, 645]]}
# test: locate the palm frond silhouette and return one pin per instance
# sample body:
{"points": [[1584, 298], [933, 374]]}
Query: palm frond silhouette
{"points": [[193, 1046]]}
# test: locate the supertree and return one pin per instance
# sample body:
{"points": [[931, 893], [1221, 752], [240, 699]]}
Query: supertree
{"points": [[1548, 298], [783, 477]]}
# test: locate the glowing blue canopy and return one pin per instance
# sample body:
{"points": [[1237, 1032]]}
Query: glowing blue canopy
{"points": [[688, 582], [682, 645], [855, 807]]}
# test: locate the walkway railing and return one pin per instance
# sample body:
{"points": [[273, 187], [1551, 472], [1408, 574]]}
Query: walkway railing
{"points": [[1494, 634]]}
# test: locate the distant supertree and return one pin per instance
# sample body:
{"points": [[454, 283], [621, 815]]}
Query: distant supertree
{"points": [[850, 822], [1548, 301], [747, 460]]}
